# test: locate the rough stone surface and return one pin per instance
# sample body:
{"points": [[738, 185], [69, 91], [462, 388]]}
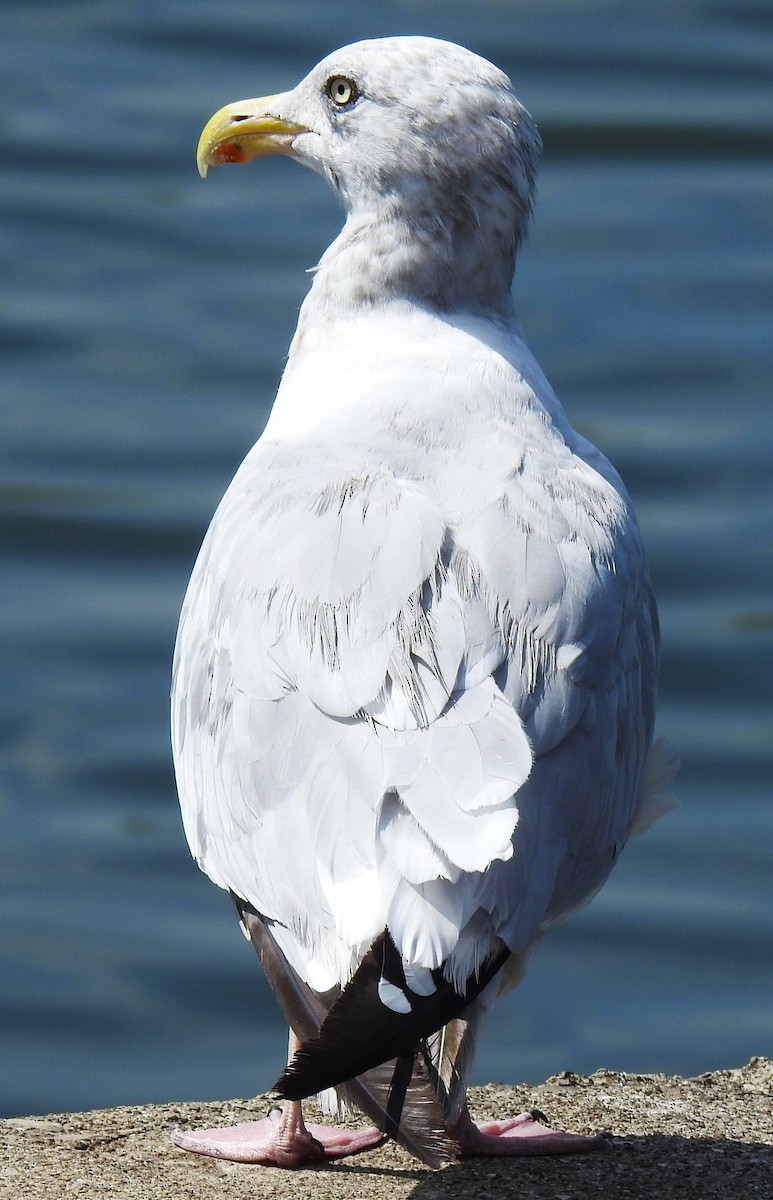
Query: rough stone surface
{"points": [[688, 1138]]}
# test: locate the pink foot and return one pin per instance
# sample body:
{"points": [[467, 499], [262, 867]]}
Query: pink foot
{"points": [[518, 1135], [282, 1139]]}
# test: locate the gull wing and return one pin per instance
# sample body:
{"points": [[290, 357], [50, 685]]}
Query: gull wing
{"points": [[386, 721], [331, 770]]}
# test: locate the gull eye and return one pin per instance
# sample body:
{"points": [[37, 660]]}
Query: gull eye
{"points": [[341, 90]]}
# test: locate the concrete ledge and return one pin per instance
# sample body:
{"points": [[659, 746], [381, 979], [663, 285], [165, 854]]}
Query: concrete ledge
{"points": [[669, 1138]]}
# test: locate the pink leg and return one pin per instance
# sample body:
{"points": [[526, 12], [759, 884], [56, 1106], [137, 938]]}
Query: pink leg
{"points": [[282, 1139], [516, 1136]]}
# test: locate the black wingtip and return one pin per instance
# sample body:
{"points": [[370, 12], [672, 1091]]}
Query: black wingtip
{"points": [[360, 1032], [399, 1097]]}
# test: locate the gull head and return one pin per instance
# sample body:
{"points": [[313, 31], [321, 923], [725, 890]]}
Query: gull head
{"points": [[416, 135]]}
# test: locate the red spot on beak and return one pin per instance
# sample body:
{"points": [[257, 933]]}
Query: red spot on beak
{"points": [[228, 152]]}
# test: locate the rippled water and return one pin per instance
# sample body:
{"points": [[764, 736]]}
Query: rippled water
{"points": [[143, 321]]}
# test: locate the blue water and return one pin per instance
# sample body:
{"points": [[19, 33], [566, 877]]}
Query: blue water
{"points": [[144, 317]]}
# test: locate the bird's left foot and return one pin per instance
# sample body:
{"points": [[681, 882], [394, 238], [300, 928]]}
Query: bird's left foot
{"points": [[282, 1139], [519, 1135]]}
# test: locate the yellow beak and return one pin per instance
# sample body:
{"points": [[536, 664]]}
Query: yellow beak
{"points": [[243, 131]]}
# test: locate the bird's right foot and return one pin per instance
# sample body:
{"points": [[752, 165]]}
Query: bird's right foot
{"points": [[516, 1136]]}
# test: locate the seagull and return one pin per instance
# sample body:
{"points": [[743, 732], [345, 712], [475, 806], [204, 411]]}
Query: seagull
{"points": [[414, 678]]}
